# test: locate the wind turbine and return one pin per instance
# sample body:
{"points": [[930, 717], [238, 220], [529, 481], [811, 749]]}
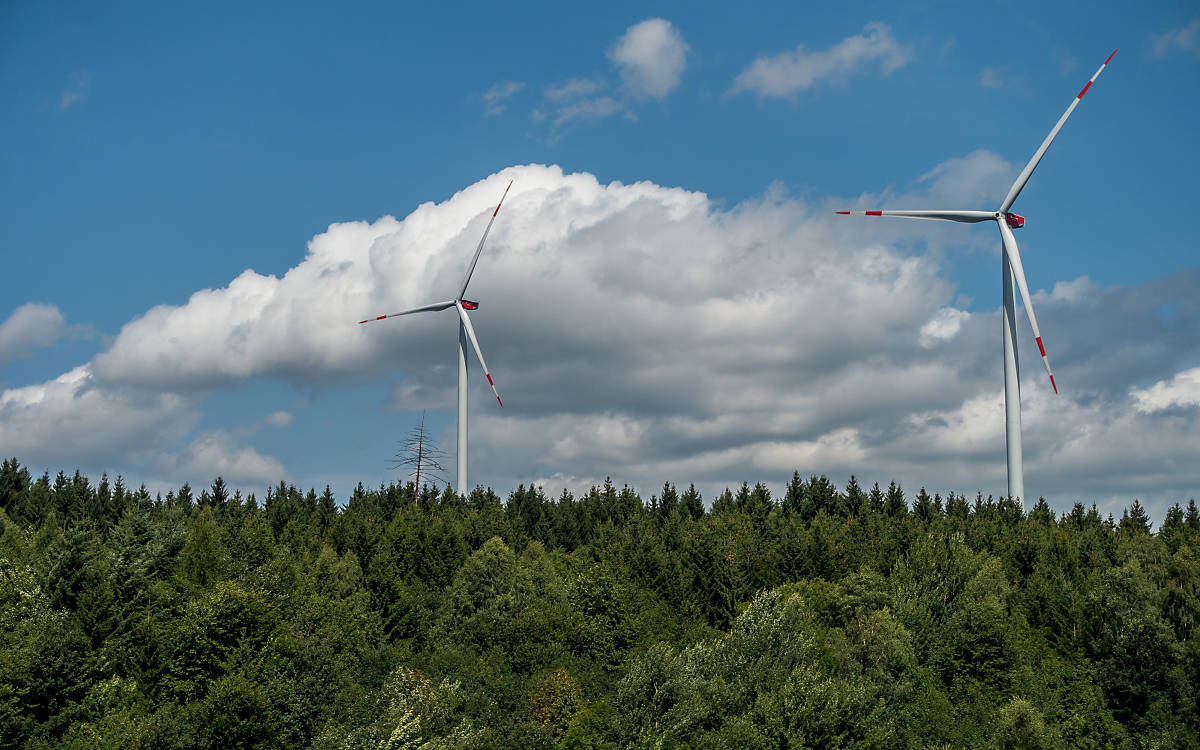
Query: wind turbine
{"points": [[465, 331], [1012, 272]]}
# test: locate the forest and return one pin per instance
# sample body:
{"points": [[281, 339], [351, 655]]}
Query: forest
{"points": [[406, 617]]}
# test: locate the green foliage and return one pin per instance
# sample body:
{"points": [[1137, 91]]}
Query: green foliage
{"points": [[413, 618]]}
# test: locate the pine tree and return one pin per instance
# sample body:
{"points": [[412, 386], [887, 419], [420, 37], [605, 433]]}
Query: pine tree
{"points": [[668, 501], [326, 509], [724, 503], [855, 498], [1192, 519], [822, 496], [1135, 519], [793, 498], [1173, 522], [956, 507], [923, 507], [896, 505], [693, 504], [218, 494], [875, 499]]}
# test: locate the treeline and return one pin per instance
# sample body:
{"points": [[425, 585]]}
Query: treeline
{"points": [[407, 617]]}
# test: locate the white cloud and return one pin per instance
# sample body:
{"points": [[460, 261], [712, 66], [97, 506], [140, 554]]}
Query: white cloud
{"points": [[577, 100], [76, 91], [1184, 39], [979, 179], [574, 88], [991, 78], [788, 73], [943, 326], [496, 98], [31, 326], [279, 419], [1181, 390], [650, 57], [588, 109], [75, 420], [647, 333], [218, 454]]}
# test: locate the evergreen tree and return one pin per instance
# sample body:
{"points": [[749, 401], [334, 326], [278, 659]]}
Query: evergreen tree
{"points": [[924, 508], [794, 496], [875, 501], [1134, 519], [693, 504], [855, 498], [1173, 523], [218, 495], [724, 503], [668, 501], [1192, 519], [895, 505], [326, 510]]}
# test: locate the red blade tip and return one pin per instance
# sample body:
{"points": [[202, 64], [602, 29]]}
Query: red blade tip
{"points": [[1111, 56], [1054, 384], [501, 203], [500, 402], [844, 213], [368, 320]]}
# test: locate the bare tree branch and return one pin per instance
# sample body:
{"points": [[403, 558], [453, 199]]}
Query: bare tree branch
{"points": [[420, 455]]}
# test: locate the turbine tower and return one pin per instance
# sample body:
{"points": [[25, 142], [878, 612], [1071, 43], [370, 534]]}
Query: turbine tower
{"points": [[1012, 273], [465, 332]]}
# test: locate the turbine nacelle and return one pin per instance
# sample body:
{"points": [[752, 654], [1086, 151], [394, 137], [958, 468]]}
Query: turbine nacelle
{"points": [[469, 305], [1014, 221]]}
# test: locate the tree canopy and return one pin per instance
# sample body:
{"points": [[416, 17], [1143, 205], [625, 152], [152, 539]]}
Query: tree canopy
{"points": [[408, 617]]}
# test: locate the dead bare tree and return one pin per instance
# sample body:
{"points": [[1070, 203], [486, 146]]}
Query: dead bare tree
{"points": [[420, 455]]}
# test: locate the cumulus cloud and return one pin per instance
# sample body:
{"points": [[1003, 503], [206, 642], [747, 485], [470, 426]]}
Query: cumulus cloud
{"points": [[218, 454], [31, 326], [496, 97], [1181, 390], [1184, 39], [650, 57], [979, 179], [646, 333], [76, 420], [943, 326], [788, 73]]}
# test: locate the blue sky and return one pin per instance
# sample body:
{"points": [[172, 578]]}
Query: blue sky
{"points": [[150, 152]]}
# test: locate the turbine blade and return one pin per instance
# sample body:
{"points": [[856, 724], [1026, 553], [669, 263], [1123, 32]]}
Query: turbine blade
{"points": [[422, 308], [969, 217], [478, 353], [1014, 261], [1027, 172], [478, 250]]}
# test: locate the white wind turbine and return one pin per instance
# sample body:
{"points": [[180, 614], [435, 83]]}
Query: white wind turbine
{"points": [[1011, 272], [465, 331]]}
